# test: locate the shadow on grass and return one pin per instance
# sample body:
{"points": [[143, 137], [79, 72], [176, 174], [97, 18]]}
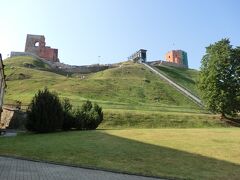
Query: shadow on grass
{"points": [[102, 150], [167, 162], [233, 121]]}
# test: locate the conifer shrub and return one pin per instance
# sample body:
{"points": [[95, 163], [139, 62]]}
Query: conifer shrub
{"points": [[89, 116], [45, 112], [68, 116]]}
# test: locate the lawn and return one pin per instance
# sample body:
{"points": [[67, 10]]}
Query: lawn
{"points": [[123, 118], [133, 98], [177, 153]]}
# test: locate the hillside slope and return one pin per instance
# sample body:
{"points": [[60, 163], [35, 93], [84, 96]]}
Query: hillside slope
{"points": [[130, 84], [184, 91], [187, 78], [131, 95]]}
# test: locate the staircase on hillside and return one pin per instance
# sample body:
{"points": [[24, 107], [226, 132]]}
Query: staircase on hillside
{"points": [[184, 91]]}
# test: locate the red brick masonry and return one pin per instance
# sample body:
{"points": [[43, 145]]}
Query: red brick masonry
{"points": [[35, 44]]}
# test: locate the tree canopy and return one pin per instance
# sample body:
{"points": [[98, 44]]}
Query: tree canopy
{"points": [[219, 80]]}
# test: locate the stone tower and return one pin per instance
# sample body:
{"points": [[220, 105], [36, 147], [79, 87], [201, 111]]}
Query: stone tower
{"points": [[178, 57], [35, 44]]}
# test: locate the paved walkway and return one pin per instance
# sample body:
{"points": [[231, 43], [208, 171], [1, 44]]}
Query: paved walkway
{"points": [[16, 169]]}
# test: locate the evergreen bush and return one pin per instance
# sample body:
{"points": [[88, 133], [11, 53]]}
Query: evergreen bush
{"points": [[45, 112], [68, 118], [88, 117]]}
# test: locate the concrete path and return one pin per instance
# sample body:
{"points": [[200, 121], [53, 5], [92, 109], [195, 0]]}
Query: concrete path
{"points": [[179, 88], [16, 169], [9, 133]]}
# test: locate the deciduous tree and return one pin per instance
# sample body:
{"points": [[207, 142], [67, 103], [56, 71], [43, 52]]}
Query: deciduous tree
{"points": [[219, 80]]}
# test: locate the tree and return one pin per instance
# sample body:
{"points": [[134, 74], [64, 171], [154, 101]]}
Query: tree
{"points": [[88, 117], [45, 113], [219, 80], [68, 119]]}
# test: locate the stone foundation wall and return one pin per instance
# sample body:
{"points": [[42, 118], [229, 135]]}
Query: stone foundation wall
{"points": [[79, 69], [6, 117], [13, 118], [160, 62]]}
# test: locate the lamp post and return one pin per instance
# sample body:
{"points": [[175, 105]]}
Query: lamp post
{"points": [[99, 63], [99, 59]]}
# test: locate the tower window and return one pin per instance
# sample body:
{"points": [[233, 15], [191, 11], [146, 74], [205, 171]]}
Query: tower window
{"points": [[36, 44]]}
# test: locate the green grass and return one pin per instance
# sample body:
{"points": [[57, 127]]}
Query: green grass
{"points": [[182, 76], [179, 153], [131, 95], [150, 119], [130, 84], [26, 61]]}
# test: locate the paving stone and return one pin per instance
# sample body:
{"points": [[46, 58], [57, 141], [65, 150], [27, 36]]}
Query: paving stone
{"points": [[17, 169]]}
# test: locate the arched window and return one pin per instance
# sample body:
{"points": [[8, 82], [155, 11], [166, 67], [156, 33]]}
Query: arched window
{"points": [[36, 44]]}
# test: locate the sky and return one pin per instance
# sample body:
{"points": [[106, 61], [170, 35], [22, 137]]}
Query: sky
{"points": [[108, 31]]}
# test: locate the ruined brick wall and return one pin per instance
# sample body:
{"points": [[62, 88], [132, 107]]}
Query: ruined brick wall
{"points": [[49, 54], [35, 44]]}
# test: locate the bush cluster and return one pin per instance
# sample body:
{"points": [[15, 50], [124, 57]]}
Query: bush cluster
{"points": [[88, 117], [46, 113]]}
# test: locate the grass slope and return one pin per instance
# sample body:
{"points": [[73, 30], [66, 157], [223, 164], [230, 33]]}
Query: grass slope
{"points": [[129, 84], [184, 77], [124, 92], [177, 153], [118, 119]]}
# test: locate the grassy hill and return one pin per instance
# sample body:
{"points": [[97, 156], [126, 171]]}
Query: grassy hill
{"points": [[125, 92], [187, 78]]}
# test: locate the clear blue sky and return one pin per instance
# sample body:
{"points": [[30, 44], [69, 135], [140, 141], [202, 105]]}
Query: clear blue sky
{"points": [[82, 30]]}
